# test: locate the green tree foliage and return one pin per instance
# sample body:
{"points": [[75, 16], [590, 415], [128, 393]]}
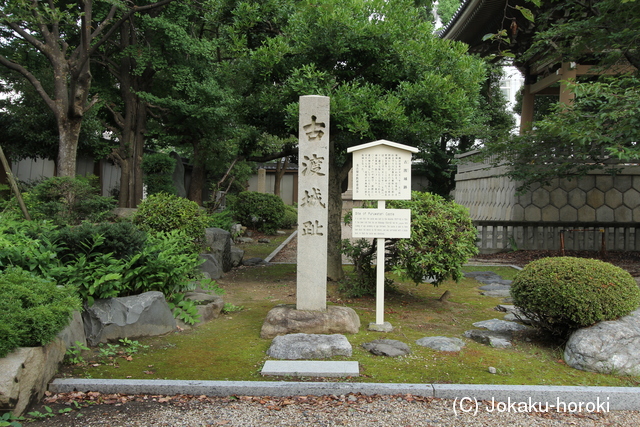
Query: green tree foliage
{"points": [[63, 35], [601, 123], [387, 75], [599, 127], [158, 168], [563, 294]]}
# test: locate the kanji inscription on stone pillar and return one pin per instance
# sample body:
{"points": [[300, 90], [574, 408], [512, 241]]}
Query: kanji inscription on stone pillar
{"points": [[313, 190]]}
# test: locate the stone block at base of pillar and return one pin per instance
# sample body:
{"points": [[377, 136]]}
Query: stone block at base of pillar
{"points": [[286, 319], [384, 327]]}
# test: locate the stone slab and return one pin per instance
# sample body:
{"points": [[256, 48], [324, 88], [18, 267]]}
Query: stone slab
{"points": [[380, 327], [311, 368], [619, 398]]}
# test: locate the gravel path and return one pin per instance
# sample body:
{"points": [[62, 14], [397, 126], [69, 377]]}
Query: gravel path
{"points": [[350, 410]]}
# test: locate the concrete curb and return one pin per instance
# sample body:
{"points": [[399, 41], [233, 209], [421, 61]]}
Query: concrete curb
{"points": [[514, 398]]}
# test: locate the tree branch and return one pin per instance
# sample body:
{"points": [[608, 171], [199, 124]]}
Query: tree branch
{"points": [[31, 78]]}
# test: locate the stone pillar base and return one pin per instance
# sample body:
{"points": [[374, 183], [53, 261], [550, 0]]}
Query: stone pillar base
{"points": [[286, 319]]}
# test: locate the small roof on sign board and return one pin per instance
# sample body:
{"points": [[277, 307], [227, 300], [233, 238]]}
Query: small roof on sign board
{"points": [[382, 142]]}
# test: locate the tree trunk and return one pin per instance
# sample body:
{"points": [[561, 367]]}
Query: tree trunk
{"points": [[338, 175], [198, 174], [69, 129], [281, 168], [131, 122]]}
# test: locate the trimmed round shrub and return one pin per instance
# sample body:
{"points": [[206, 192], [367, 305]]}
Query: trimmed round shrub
{"points": [[164, 212], [260, 211], [32, 310], [562, 294]]}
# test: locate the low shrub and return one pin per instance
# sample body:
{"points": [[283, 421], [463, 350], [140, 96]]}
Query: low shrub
{"points": [[122, 239], [290, 218], [166, 263], [33, 310], [27, 244], [66, 200], [260, 211], [167, 212], [223, 219], [562, 294]]}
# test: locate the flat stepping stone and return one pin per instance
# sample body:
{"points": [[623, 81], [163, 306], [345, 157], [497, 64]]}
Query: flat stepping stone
{"points": [[497, 325], [494, 339], [504, 293], [495, 287], [309, 346], [385, 347], [310, 368], [441, 343]]}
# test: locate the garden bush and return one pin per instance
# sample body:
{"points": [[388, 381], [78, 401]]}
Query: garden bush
{"points": [[562, 294], [290, 218], [122, 239], [158, 169], [33, 310], [167, 212], [27, 244], [442, 239], [66, 200], [260, 211]]}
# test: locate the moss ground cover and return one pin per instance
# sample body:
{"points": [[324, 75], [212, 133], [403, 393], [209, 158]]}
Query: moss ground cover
{"points": [[229, 348]]}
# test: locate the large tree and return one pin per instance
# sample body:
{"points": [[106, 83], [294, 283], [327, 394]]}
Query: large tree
{"points": [[387, 75], [65, 34]]}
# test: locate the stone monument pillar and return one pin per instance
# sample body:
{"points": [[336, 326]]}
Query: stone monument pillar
{"points": [[262, 180], [313, 217], [311, 315]]}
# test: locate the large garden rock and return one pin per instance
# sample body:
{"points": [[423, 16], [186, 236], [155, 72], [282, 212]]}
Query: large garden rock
{"points": [[209, 305], [25, 372], [212, 265], [385, 347], [141, 315], [286, 319], [611, 347], [309, 346], [218, 244], [236, 256]]}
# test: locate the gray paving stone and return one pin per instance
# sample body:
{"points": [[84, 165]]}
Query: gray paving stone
{"points": [[311, 368]]}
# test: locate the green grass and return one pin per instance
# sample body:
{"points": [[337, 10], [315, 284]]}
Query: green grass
{"points": [[230, 347]]}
